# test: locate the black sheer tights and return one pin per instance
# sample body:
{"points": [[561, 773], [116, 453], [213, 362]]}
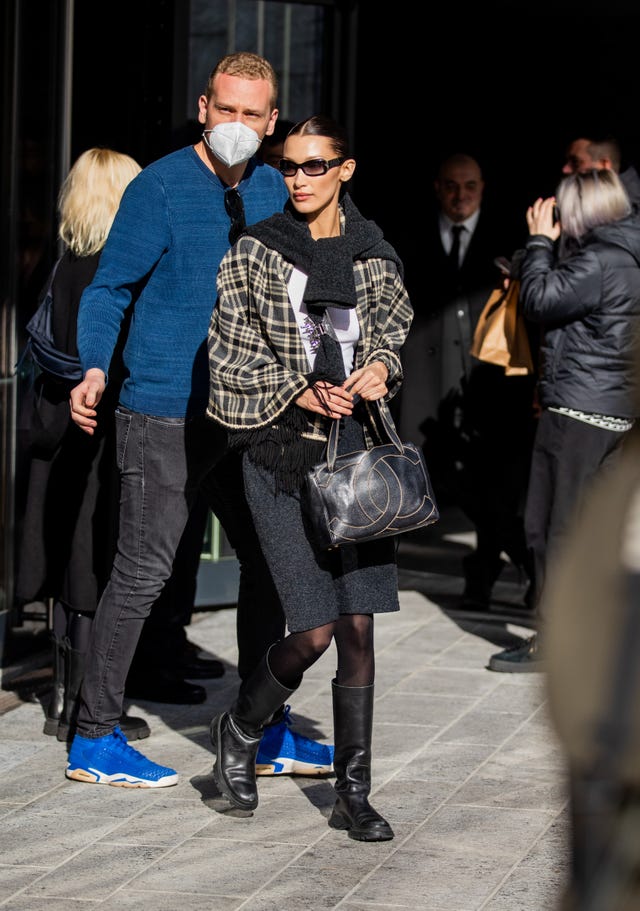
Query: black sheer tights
{"points": [[353, 633]]}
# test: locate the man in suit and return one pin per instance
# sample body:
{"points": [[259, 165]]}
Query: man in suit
{"points": [[448, 292], [461, 411]]}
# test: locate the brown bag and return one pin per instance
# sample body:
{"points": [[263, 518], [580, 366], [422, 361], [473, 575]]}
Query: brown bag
{"points": [[501, 336]]}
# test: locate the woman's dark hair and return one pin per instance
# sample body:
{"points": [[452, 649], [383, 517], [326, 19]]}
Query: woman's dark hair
{"points": [[319, 125]]}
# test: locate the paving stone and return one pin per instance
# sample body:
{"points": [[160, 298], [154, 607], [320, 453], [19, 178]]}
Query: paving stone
{"points": [[465, 767]]}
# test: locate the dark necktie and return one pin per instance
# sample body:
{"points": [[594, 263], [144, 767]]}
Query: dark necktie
{"points": [[454, 253]]}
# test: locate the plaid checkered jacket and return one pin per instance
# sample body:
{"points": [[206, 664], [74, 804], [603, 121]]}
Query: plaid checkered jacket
{"points": [[257, 362]]}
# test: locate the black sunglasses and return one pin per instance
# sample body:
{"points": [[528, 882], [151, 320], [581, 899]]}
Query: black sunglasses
{"points": [[235, 210], [315, 167]]}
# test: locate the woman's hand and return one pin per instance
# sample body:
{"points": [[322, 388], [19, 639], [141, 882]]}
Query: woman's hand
{"points": [[369, 382], [540, 218], [323, 398]]}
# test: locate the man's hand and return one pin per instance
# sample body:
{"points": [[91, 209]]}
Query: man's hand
{"points": [[84, 398]]}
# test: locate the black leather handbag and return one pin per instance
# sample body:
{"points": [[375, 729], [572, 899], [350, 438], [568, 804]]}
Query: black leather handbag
{"points": [[371, 493]]}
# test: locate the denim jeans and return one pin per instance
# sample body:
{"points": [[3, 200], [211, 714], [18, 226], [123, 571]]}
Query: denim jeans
{"points": [[163, 462]]}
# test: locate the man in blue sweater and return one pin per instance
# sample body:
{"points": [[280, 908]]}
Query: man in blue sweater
{"points": [[174, 225]]}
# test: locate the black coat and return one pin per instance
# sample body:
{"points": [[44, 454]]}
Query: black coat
{"points": [[589, 307], [69, 521]]}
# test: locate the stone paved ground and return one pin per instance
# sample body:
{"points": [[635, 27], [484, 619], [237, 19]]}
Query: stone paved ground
{"points": [[466, 769]]}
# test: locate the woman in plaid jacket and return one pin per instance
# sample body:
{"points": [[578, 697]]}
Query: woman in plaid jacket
{"points": [[311, 315]]}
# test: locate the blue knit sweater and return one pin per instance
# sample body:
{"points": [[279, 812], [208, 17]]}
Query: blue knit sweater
{"points": [[162, 254]]}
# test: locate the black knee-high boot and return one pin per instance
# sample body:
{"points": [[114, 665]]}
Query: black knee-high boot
{"points": [[56, 702], [236, 735], [352, 726]]}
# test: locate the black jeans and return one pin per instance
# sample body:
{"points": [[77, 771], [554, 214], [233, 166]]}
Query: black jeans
{"points": [[163, 463], [567, 454]]}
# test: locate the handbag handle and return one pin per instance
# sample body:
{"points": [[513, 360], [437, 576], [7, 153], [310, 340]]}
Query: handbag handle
{"points": [[385, 423]]}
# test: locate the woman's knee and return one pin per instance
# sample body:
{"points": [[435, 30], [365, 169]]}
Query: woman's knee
{"points": [[319, 640], [356, 630]]}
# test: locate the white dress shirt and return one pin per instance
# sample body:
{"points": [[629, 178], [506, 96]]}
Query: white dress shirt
{"points": [[446, 235]]}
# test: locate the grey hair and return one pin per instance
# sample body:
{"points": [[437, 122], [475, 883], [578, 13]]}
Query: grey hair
{"points": [[592, 198]]}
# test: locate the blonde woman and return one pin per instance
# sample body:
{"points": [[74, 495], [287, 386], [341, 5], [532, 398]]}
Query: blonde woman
{"points": [[67, 536], [587, 304]]}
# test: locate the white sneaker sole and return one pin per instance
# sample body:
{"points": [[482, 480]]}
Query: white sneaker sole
{"points": [[120, 780], [291, 767]]}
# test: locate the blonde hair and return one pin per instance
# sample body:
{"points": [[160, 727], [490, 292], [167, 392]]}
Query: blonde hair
{"points": [[89, 198], [247, 66], [593, 198]]}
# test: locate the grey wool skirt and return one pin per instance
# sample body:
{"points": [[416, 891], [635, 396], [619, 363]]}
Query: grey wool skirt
{"points": [[316, 586]]}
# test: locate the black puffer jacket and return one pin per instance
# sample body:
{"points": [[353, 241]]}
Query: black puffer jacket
{"points": [[589, 308]]}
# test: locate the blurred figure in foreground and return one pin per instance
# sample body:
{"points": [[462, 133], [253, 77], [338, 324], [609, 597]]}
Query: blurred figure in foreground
{"points": [[592, 619]]}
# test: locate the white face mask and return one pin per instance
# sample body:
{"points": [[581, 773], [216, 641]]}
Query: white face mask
{"points": [[232, 143]]}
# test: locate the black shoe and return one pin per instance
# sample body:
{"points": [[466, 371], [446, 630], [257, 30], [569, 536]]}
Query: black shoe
{"points": [[193, 667], [523, 659], [157, 686], [133, 728]]}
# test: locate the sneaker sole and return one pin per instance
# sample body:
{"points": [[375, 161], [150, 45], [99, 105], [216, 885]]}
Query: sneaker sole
{"points": [[291, 767], [119, 780]]}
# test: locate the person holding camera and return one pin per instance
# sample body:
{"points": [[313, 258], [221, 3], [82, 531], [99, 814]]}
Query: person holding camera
{"points": [[587, 303]]}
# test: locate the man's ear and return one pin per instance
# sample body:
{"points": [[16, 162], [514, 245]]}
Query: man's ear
{"points": [[202, 109], [272, 122]]}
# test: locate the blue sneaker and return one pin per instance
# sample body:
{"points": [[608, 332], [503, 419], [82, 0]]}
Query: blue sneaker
{"points": [[283, 752], [110, 760]]}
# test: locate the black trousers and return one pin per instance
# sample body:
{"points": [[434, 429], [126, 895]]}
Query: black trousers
{"points": [[567, 454]]}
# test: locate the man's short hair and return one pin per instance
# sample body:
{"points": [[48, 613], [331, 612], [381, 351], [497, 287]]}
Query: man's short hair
{"points": [[606, 147], [247, 66]]}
